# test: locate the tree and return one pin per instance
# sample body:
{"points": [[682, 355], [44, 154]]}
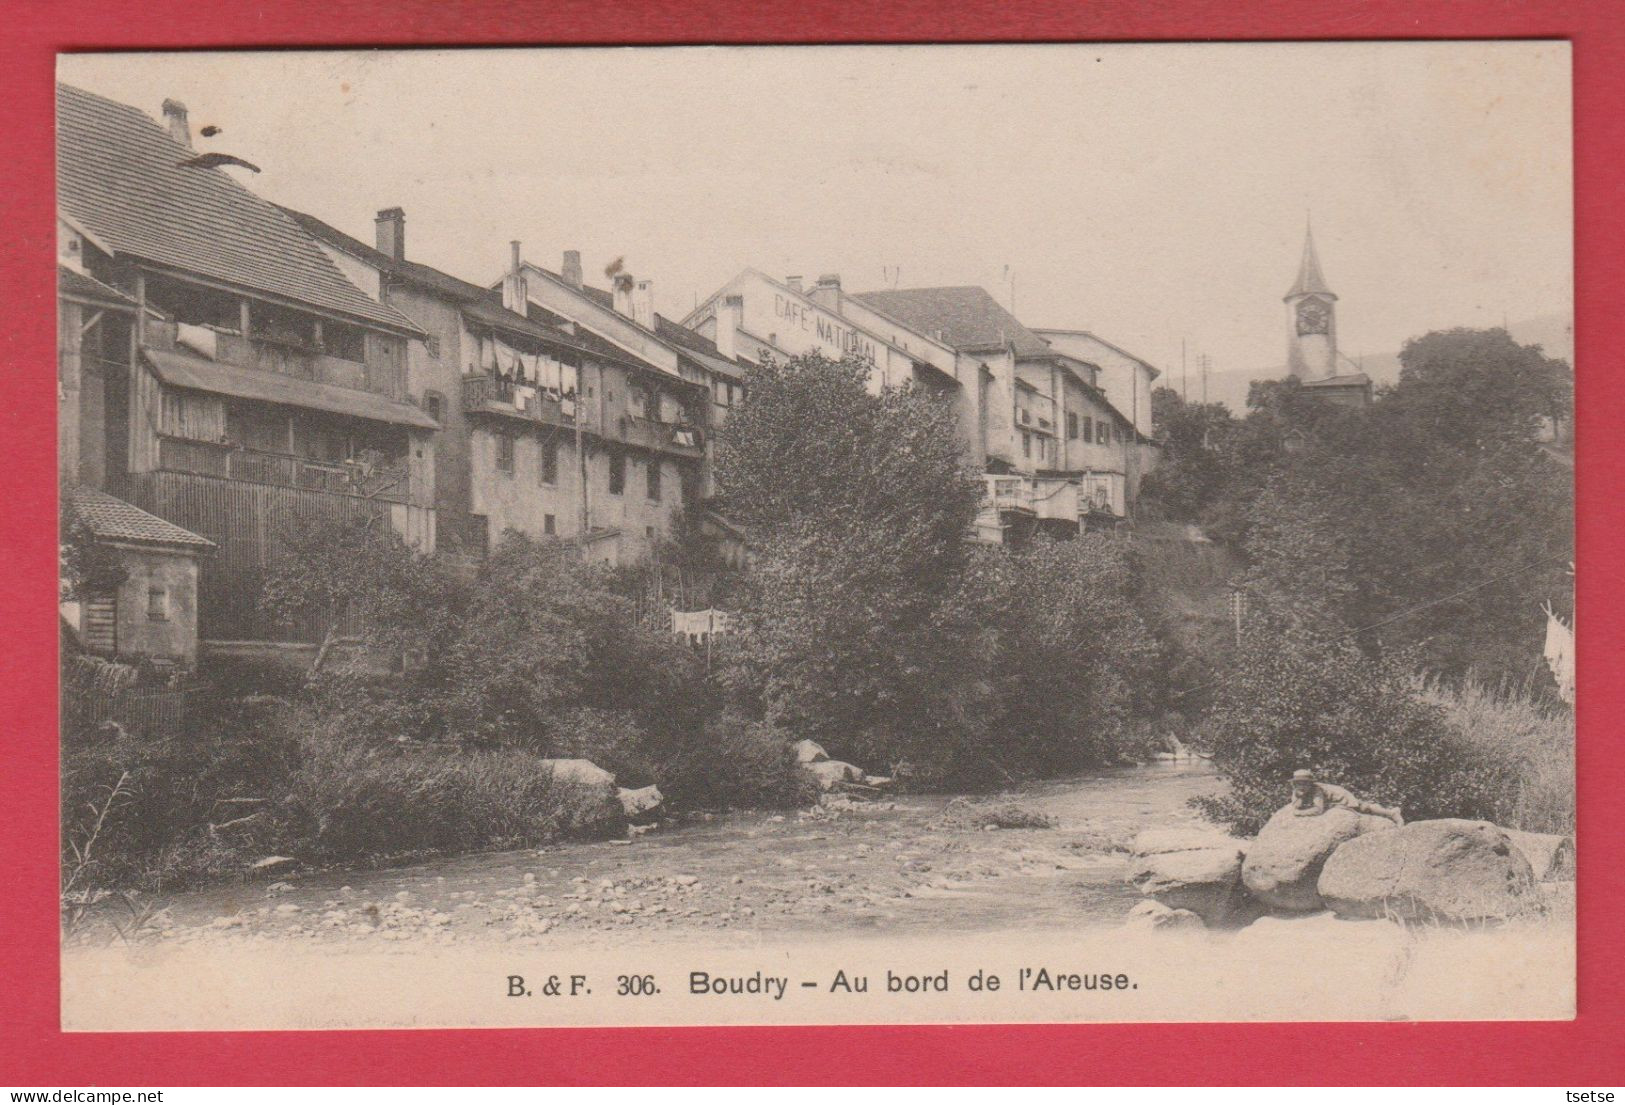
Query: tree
{"points": [[545, 632], [1060, 658], [358, 573], [859, 504], [1190, 475]]}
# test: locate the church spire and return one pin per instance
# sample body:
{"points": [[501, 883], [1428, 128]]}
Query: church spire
{"points": [[1310, 281]]}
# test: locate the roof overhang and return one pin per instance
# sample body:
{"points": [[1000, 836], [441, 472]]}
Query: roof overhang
{"points": [[183, 371]]}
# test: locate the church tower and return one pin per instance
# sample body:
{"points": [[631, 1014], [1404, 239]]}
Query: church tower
{"points": [[1311, 310]]}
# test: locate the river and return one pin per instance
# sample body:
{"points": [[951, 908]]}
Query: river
{"points": [[883, 866]]}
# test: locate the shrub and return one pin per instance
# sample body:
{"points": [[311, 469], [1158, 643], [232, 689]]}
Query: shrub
{"points": [[1525, 747], [735, 762], [193, 806], [360, 799], [1300, 701]]}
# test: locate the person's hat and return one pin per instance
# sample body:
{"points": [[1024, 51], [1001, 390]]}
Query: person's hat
{"points": [[1303, 775]]}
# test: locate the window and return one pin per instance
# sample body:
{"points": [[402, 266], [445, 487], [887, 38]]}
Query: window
{"points": [[550, 461], [1103, 433], [654, 479], [1088, 430], [195, 305], [346, 342], [1026, 444], [505, 453], [1072, 425], [617, 473], [549, 526], [269, 322], [432, 343], [157, 604], [434, 404]]}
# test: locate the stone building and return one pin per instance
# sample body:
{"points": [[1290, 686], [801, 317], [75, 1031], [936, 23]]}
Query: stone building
{"points": [[239, 385], [1035, 418]]}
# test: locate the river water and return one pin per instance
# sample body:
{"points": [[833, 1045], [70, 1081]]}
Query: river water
{"points": [[886, 866]]}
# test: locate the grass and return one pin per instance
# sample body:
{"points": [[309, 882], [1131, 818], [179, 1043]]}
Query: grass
{"points": [[1530, 744]]}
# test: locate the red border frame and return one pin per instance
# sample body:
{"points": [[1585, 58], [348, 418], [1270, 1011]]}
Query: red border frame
{"points": [[33, 1050]]}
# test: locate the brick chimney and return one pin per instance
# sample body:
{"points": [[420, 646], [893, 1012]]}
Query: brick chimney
{"points": [[729, 312], [391, 233], [794, 282], [175, 118], [827, 292], [515, 292], [621, 294], [571, 269], [643, 303]]}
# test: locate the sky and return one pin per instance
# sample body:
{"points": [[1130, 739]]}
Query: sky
{"points": [[1156, 194]]}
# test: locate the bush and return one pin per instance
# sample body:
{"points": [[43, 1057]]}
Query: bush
{"points": [[363, 800], [193, 806], [1525, 747], [1297, 701], [738, 763], [1062, 657]]}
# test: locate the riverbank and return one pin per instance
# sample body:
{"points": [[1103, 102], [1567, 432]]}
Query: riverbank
{"points": [[867, 889]]}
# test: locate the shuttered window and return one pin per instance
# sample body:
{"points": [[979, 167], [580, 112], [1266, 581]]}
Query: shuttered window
{"points": [[101, 622]]}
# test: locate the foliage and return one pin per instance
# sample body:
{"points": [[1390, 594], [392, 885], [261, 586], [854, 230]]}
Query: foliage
{"points": [[361, 572], [360, 799], [544, 631], [734, 762], [1297, 699], [859, 504], [1527, 744], [83, 564], [1061, 654], [1434, 512]]}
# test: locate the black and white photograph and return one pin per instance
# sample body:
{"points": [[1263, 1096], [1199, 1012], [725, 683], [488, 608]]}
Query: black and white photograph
{"points": [[816, 535]]}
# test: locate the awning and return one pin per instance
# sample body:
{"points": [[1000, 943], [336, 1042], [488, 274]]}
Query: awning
{"points": [[183, 371]]}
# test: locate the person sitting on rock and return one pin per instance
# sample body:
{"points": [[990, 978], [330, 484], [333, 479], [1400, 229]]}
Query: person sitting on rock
{"points": [[1311, 798]]}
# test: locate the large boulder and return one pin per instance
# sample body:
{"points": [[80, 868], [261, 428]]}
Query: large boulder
{"points": [[589, 797], [1550, 854], [640, 800], [1190, 869], [1283, 864], [809, 752], [1445, 870], [1153, 916]]}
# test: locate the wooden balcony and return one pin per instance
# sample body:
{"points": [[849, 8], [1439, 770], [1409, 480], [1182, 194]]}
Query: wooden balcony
{"points": [[484, 395], [667, 437], [388, 483]]}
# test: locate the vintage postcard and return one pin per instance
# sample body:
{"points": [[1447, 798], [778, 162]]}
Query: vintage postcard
{"points": [[814, 535]]}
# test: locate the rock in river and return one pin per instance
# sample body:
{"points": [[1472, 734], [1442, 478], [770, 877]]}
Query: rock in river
{"points": [[1193, 870], [1153, 916], [1283, 864], [1445, 870]]}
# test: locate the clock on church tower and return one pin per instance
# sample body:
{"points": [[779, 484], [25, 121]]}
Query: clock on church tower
{"points": [[1314, 316]]}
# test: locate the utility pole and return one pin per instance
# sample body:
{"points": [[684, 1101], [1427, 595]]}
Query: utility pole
{"points": [[1184, 374], [1206, 362], [1236, 602]]}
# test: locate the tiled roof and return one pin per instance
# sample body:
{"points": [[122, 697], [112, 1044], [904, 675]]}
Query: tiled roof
{"points": [[965, 317], [116, 520], [673, 333], [72, 282], [184, 371], [697, 344], [119, 175], [483, 304]]}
